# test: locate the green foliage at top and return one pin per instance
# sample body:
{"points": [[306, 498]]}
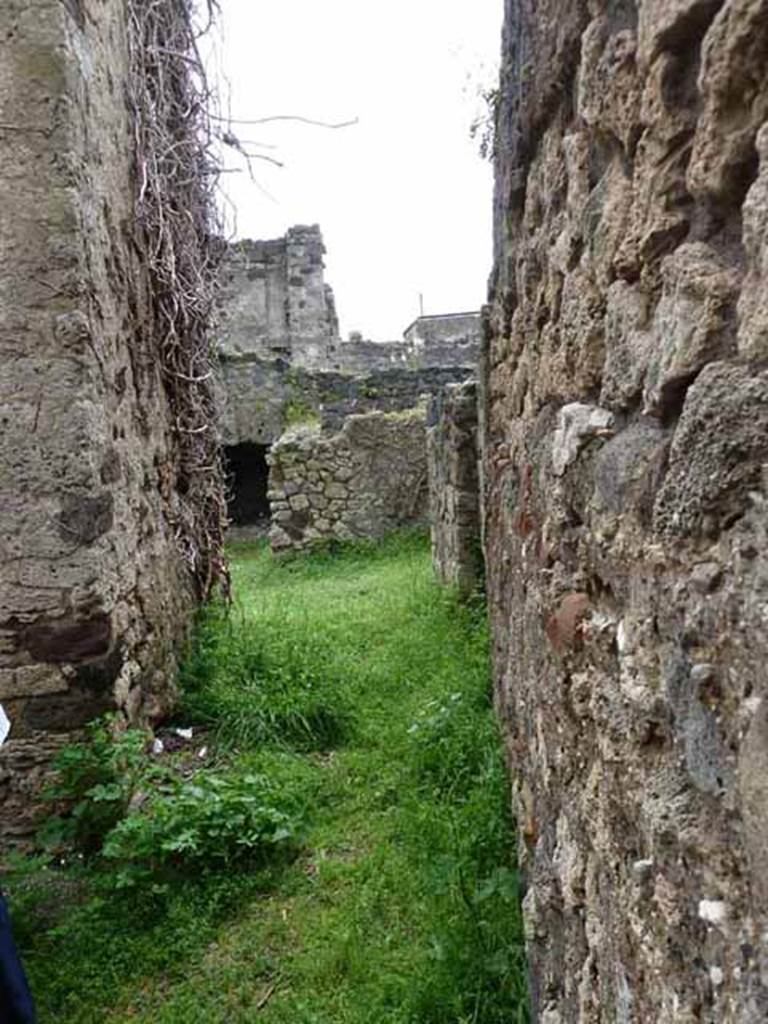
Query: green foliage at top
{"points": [[402, 904], [483, 129], [298, 412]]}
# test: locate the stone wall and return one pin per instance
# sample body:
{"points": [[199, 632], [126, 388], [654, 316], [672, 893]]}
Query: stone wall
{"points": [[365, 480], [282, 360], [276, 305], [625, 439], [275, 302], [93, 595], [361, 356], [451, 339], [264, 398], [454, 494]]}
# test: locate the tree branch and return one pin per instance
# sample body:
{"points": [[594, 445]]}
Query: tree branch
{"points": [[287, 117]]}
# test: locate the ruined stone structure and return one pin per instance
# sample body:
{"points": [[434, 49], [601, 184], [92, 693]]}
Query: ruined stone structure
{"points": [[94, 593], [361, 482], [454, 489], [448, 340], [625, 442], [284, 366], [264, 398], [275, 302], [276, 305]]}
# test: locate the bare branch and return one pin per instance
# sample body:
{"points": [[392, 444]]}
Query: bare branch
{"points": [[287, 117], [232, 140], [177, 174]]}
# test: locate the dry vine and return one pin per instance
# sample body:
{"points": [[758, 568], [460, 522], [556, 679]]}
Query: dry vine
{"points": [[177, 212]]}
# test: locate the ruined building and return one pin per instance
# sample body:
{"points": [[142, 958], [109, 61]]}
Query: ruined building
{"points": [[110, 525], [621, 489], [340, 423], [624, 437]]}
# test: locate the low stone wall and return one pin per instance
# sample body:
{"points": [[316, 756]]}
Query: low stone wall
{"points": [[454, 497], [361, 482]]}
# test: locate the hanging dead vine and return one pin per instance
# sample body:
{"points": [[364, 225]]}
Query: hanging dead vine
{"points": [[177, 174]]}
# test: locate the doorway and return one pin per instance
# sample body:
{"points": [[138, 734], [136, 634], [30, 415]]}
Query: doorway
{"points": [[247, 480]]}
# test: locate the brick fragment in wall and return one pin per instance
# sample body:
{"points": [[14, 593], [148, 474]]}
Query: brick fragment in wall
{"points": [[623, 437]]}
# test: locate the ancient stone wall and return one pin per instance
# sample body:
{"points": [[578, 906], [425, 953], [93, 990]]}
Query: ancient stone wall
{"points": [[359, 355], [275, 302], [94, 596], [264, 398], [452, 339], [367, 479], [625, 438], [276, 305], [282, 360], [454, 493]]}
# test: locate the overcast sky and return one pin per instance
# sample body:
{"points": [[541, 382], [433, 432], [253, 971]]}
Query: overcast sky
{"points": [[402, 197]]}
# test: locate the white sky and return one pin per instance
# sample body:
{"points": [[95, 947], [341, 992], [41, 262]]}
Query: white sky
{"points": [[403, 199]]}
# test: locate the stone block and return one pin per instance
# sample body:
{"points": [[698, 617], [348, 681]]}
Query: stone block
{"points": [[577, 424], [694, 323], [335, 490], [31, 681], [717, 454]]}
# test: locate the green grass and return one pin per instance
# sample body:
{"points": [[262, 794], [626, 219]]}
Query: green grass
{"points": [[367, 690]]}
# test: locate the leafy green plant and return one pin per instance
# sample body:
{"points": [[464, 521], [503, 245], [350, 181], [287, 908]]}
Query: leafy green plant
{"points": [[297, 412], [206, 822], [94, 783]]}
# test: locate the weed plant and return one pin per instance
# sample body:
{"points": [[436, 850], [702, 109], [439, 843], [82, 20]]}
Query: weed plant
{"points": [[262, 685], [357, 694]]}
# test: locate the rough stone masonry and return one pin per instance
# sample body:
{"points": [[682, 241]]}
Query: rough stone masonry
{"points": [[625, 452], [454, 487], [347, 458], [94, 595], [361, 482]]}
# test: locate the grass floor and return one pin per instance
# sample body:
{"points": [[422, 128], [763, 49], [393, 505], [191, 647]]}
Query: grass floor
{"points": [[367, 689]]}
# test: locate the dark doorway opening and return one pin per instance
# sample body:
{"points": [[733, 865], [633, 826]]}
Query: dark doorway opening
{"points": [[247, 478]]}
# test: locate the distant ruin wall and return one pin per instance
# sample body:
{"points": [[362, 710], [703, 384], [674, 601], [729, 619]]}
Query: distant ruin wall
{"points": [[452, 339], [275, 302], [362, 482], [262, 398], [625, 442], [276, 305], [454, 494], [93, 593]]}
